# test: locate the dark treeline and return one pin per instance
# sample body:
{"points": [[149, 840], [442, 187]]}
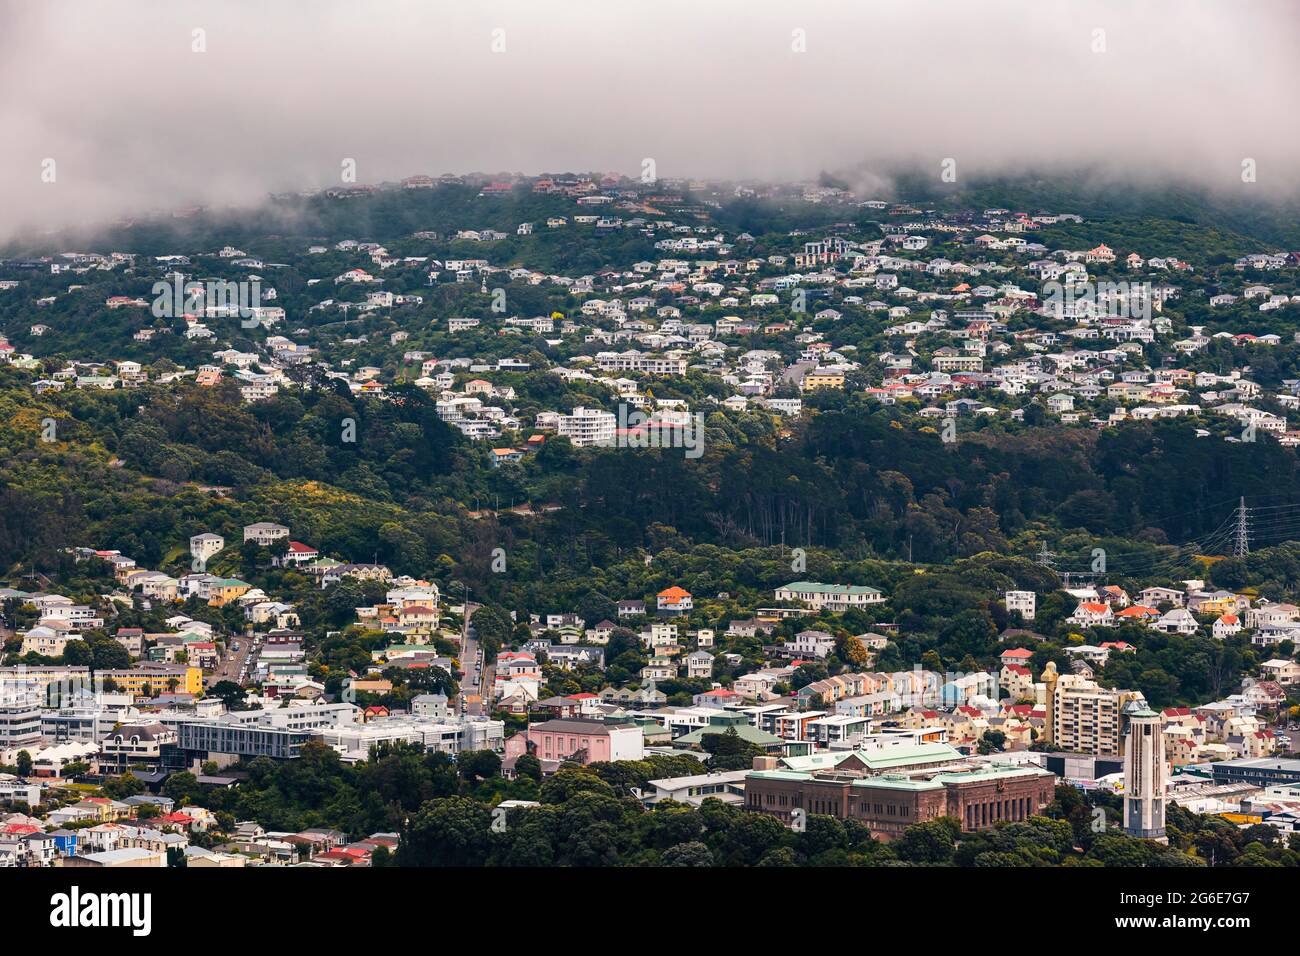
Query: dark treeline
{"points": [[851, 477]]}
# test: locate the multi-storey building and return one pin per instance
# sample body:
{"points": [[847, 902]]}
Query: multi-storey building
{"points": [[978, 797], [1081, 715], [587, 427], [1025, 602]]}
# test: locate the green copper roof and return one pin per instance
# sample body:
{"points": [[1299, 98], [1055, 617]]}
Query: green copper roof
{"points": [[744, 731], [819, 588]]}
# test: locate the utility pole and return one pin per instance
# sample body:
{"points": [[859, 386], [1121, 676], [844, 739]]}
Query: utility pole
{"points": [[1241, 537]]}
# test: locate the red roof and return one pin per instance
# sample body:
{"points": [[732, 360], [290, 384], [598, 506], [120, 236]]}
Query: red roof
{"points": [[1018, 652], [334, 855], [1137, 610]]}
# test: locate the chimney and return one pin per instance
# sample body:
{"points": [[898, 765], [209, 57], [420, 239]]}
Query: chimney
{"points": [[764, 763]]}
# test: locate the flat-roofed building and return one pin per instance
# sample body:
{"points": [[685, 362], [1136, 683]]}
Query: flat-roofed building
{"points": [[1259, 771], [977, 797], [1082, 716], [727, 786]]}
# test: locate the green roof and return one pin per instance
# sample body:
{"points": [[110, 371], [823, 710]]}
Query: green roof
{"points": [[779, 775], [819, 588], [878, 762], [818, 761], [891, 781], [902, 756], [898, 781], [744, 731]]}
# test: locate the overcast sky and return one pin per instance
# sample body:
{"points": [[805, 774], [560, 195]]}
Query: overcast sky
{"points": [[135, 120]]}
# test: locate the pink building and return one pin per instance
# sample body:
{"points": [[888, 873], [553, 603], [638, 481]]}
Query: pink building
{"points": [[561, 739]]}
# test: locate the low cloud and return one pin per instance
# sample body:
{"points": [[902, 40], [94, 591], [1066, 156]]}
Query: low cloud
{"points": [[136, 120]]}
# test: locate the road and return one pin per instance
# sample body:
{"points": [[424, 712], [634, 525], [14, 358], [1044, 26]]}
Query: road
{"points": [[475, 680], [1282, 727], [233, 663], [794, 374]]}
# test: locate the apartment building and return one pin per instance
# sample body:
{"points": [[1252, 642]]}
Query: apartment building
{"points": [[20, 722], [633, 361], [1026, 602], [1082, 716], [588, 427]]}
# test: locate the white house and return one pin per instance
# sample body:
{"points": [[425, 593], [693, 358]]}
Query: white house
{"points": [[1091, 614]]}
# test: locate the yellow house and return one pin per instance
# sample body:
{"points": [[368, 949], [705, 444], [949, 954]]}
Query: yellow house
{"points": [[222, 592], [821, 378], [376, 686], [1219, 606]]}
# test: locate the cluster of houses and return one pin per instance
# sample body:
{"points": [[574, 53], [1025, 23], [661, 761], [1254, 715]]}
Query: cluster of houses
{"points": [[994, 322], [273, 656], [1195, 608], [150, 830]]}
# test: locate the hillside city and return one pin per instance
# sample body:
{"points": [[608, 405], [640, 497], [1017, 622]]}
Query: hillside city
{"points": [[589, 520]]}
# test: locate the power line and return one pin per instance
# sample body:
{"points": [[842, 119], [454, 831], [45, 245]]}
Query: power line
{"points": [[1241, 537], [1243, 528]]}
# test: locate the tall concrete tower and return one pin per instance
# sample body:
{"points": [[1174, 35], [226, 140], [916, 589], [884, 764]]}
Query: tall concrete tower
{"points": [[1050, 678], [1144, 773]]}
